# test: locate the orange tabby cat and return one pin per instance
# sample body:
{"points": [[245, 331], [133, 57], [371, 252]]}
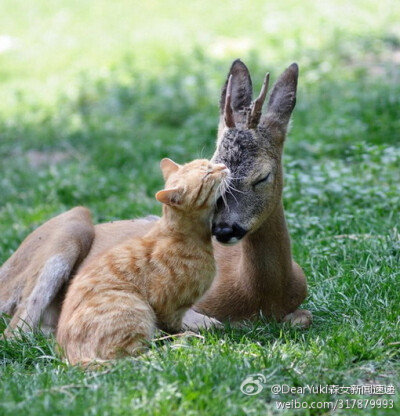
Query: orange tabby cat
{"points": [[114, 306]]}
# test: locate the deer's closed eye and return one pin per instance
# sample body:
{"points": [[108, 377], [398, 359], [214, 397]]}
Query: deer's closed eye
{"points": [[262, 180]]}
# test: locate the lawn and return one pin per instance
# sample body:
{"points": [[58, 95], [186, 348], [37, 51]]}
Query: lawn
{"points": [[95, 93]]}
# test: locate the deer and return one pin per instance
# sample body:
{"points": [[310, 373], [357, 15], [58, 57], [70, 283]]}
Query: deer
{"points": [[256, 274]]}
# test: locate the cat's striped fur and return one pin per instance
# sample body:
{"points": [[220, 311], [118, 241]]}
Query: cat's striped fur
{"points": [[113, 305]]}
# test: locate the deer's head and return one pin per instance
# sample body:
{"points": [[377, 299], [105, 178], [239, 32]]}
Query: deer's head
{"points": [[250, 144]]}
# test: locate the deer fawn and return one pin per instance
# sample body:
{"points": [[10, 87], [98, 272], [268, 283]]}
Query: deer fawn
{"points": [[258, 274], [255, 270]]}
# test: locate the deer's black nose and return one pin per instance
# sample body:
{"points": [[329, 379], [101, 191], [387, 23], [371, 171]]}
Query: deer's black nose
{"points": [[228, 234]]}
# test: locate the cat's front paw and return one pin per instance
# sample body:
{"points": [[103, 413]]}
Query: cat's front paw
{"points": [[299, 318], [194, 321]]}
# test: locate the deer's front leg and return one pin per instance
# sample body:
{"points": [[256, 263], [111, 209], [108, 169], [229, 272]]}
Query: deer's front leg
{"points": [[297, 293]]}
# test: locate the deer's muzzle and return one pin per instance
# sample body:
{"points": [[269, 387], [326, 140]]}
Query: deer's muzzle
{"points": [[228, 234]]}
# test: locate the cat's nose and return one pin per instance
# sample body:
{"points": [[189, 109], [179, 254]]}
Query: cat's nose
{"points": [[218, 167], [228, 234]]}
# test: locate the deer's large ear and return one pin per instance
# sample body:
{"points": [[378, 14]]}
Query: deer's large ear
{"points": [[282, 101], [241, 92], [168, 167], [171, 196]]}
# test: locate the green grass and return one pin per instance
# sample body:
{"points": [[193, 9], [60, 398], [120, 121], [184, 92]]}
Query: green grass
{"points": [[111, 88]]}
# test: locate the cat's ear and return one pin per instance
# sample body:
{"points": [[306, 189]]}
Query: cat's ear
{"points": [[168, 167], [171, 196]]}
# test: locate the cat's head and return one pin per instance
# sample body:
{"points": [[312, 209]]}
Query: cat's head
{"points": [[194, 186]]}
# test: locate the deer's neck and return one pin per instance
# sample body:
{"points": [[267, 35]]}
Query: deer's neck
{"points": [[266, 259]]}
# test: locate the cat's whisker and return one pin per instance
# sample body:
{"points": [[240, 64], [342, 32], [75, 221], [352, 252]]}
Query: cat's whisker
{"points": [[202, 153], [237, 178], [228, 191], [232, 194], [232, 188], [225, 201], [224, 185], [220, 191]]}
